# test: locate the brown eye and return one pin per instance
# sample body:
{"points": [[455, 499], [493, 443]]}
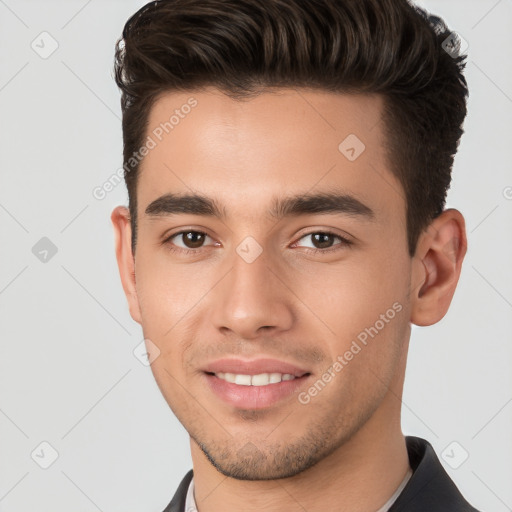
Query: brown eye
{"points": [[193, 239], [324, 241], [188, 239]]}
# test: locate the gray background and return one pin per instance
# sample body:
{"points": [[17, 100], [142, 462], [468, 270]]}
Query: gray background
{"points": [[68, 375]]}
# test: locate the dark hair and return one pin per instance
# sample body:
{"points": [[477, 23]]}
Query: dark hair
{"points": [[389, 47]]}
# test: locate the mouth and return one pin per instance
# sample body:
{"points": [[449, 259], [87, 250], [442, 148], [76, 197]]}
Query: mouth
{"points": [[257, 391]]}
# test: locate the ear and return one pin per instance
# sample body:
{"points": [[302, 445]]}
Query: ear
{"points": [[437, 265], [120, 218]]}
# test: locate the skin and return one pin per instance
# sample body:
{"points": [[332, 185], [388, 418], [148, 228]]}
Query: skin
{"points": [[289, 303]]}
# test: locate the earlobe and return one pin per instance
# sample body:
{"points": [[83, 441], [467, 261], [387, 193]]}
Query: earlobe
{"points": [[436, 267], [120, 218]]}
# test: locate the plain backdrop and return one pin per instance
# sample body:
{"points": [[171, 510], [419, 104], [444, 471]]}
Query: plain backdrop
{"points": [[68, 375]]}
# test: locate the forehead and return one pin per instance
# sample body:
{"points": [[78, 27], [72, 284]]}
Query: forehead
{"points": [[288, 141]]}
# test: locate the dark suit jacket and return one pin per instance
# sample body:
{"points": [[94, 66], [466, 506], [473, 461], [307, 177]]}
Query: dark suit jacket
{"points": [[429, 489]]}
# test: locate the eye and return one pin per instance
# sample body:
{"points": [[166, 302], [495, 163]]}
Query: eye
{"points": [[187, 241], [323, 241]]}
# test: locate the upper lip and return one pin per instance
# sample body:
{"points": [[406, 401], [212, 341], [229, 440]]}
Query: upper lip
{"points": [[254, 367]]}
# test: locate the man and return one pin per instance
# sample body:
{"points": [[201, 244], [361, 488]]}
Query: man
{"points": [[287, 165]]}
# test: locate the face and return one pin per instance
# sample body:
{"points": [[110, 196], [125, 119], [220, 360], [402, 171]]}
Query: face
{"points": [[292, 260]]}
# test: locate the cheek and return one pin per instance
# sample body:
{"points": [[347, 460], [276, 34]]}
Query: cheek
{"points": [[167, 293], [352, 295], [361, 311], [170, 297]]}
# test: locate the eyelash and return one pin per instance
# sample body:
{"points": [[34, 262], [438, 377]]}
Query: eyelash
{"points": [[344, 242]]}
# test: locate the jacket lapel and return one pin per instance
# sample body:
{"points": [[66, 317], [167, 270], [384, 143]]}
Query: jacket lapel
{"points": [[177, 503]]}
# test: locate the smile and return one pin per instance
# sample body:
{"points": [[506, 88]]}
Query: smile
{"points": [[262, 379]]}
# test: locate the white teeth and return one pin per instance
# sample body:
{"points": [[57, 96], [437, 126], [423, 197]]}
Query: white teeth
{"points": [[275, 377], [261, 379], [243, 380]]}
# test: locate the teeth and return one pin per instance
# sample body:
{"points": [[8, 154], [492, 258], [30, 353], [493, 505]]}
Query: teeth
{"points": [[261, 379], [243, 380]]}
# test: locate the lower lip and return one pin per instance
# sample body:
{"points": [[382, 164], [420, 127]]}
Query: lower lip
{"points": [[254, 397]]}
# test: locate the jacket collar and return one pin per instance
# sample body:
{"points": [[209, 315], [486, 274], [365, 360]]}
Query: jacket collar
{"points": [[430, 487]]}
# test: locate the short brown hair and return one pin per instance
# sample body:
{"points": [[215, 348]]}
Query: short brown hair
{"points": [[389, 47]]}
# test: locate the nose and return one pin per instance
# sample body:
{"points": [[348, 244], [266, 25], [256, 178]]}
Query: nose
{"points": [[252, 300]]}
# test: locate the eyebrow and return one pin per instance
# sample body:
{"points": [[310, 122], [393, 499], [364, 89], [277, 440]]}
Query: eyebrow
{"points": [[304, 204]]}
